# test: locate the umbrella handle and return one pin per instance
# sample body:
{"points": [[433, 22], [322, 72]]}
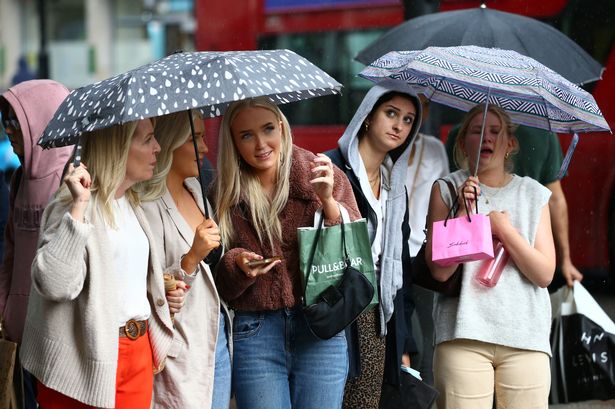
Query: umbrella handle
{"points": [[198, 162], [214, 255], [77, 152], [482, 131]]}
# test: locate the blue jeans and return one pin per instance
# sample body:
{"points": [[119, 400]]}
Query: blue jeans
{"points": [[278, 363], [222, 373]]}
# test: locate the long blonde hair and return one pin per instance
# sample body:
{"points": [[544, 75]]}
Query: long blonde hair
{"points": [[105, 153], [171, 132], [237, 182], [508, 129]]}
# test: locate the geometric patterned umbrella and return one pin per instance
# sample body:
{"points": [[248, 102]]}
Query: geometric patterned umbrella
{"points": [[183, 81], [463, 76]]}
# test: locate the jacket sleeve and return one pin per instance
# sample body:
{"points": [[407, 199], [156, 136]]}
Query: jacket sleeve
{"points": [[231, 281], [6, 269], [59, 267]]}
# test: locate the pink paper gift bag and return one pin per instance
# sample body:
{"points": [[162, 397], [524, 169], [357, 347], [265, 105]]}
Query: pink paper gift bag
{"points": [[461, 239]]}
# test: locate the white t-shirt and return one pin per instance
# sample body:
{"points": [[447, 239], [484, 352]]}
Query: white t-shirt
{"points": [[378, 204], [130, 260]]}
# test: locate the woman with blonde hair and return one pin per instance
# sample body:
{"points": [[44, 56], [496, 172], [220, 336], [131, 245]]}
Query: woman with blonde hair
{"points": [[198, 371], [98, 325], [266, 189], [495, 341]]}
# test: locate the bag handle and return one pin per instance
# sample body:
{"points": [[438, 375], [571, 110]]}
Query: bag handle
{"points": [[453, 210], [345, 219], [455, 206]]}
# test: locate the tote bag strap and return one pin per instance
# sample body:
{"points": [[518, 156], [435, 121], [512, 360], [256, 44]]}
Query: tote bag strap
{"points": [[320, 220], [455, 205]]}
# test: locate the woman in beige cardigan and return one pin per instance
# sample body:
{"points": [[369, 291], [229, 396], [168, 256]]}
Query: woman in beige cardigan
{"points": [[98, 324], [197, 375]]}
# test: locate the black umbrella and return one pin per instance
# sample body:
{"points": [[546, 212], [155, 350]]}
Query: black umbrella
{"points": [[490, 29]]}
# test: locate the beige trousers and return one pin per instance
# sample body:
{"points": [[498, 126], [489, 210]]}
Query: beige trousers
{"points": [[468, 372]]}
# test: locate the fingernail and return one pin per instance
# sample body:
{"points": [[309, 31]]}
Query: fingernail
{"points": [[187, 287]]}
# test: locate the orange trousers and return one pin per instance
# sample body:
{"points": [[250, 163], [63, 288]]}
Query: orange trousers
{"points": [[133, 384]]}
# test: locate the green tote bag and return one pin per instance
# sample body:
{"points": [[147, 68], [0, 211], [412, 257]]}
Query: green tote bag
{"points": [[328, 263]]}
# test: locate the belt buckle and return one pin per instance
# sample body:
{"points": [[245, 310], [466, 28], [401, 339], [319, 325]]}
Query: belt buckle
{"points": [[131, 329]]}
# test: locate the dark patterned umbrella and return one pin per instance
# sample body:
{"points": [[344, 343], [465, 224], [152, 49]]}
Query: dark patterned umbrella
{"points": [[461, 77], [184, 81], [489, 28]]}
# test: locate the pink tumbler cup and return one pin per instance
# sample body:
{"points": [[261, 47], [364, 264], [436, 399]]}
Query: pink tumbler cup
{"points": [[491, 270]]}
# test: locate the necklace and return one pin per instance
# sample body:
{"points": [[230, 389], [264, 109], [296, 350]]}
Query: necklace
{"points": [[374, 180], [374, 183], [491, 197]]}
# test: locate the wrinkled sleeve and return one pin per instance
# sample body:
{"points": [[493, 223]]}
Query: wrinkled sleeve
{"points": [[231, 281], [59, 267]]}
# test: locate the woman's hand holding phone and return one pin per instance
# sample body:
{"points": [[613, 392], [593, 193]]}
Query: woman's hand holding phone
{"points": [[253, 264]]}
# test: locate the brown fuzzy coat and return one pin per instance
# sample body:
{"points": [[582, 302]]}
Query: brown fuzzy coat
{"points": [[281, 286]]}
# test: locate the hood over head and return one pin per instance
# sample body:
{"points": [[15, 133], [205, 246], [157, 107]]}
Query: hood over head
{"points": [[350, 136], [34, 103], [390, 276]]}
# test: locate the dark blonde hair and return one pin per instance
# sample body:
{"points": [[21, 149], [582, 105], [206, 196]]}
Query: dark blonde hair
{"points": [[105, 153], [171, 132], [508, 129]]}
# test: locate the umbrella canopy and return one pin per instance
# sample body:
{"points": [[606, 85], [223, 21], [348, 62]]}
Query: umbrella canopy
{"points": [[490, 28], [184, 81], [464, 76]]}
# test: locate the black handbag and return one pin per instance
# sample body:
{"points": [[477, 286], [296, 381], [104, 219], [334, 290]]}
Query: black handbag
{"points": [[421, 275], [412, 393], [338, 306]]}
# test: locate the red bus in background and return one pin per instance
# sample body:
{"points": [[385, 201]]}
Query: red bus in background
{"points": [[331, 32]]}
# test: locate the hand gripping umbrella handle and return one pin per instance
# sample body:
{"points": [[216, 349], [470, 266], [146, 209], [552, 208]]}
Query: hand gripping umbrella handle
{"points": [[214, 256]]}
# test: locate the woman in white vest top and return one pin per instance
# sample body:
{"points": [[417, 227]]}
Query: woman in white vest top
{"points": [[495, 340]]}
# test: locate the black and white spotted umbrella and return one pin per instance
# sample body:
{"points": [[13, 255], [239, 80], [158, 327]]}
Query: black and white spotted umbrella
{"points": [[183, 81]]}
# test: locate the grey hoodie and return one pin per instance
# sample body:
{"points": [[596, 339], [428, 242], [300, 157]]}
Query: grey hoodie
{"points": [[391, 271]]}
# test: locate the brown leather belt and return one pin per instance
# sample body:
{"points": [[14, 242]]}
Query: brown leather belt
{"points": [[133, 329]]}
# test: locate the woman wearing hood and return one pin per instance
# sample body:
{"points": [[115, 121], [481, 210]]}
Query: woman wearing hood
{"points": [[373, 152], [26, 109]]}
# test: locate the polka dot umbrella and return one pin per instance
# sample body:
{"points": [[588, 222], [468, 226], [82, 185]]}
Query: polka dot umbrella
{"points": [[184, 81]]}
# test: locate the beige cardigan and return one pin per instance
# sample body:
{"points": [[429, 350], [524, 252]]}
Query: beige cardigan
{"points": [[70, 341], [188, 379]]}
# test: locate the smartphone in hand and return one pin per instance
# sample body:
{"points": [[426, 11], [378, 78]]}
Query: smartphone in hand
{"points": [[263, 262]]}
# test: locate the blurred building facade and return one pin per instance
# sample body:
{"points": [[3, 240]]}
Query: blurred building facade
{"points": [[89, 40]]}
